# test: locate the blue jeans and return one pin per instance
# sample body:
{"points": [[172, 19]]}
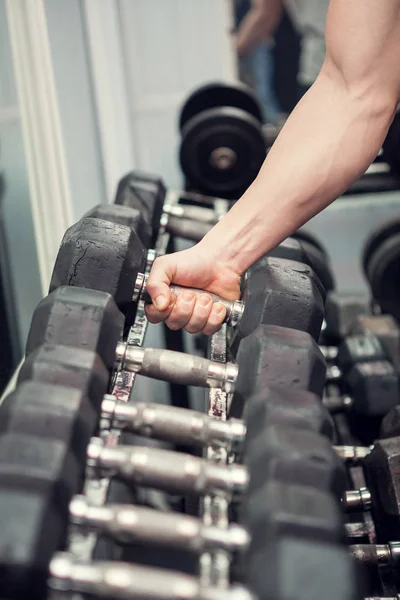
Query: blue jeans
{"points": [[260, 64]]}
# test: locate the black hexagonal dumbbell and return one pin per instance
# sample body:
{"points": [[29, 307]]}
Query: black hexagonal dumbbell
{"points": [[51, 411], [78, 318], [69, 366], [383, 327], [38, 478], [368, 384], [287, 453], [356, 349], [341, 311], [281, 292], [146, 194], [83, 369], [381, 467], [109, 257], [87, 319], [297, 363]]}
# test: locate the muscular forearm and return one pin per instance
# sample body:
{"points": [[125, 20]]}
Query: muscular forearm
{"points": [[327, 143]]}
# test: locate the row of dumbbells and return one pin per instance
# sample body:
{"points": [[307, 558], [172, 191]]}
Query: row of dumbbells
{"points": [[75, 336], [73, 323], [362, 393]]}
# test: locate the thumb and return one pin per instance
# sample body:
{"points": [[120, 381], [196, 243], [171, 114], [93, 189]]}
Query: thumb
{"points": [[159, 280]]}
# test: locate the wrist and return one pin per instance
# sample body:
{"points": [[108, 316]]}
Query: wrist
{"points": [[234, 242]]}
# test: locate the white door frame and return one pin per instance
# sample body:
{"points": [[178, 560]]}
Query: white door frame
{"points": [[41, 127]]}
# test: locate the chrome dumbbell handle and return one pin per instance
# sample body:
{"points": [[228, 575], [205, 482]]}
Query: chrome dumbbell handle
{"points": [[177, 367], [191, 213], [353, 454], [123, 581], [376, 555], [170, 423], [166, 470], [357, 500], [186, 229], [135, 524]]}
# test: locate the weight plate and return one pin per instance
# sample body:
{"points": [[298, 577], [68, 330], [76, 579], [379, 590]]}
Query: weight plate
{"points": [[391, 145], [215, 95], [383, 273], [222, 151], [378, 237]]}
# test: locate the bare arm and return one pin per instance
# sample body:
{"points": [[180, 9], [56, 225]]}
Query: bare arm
{"points": [[331, 137], [327, 143], [258, 25]]}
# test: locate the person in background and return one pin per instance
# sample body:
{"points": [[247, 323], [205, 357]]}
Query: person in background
{"points": [[328, 142], [259, 64], [308, 16]]}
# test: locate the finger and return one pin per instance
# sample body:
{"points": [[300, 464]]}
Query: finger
{"points": [[182, 311], [161, 275], [215, 320], [200, 314], [156, 316]]}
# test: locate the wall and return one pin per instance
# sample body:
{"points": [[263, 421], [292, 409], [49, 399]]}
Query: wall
{"points": [[17, 214]]}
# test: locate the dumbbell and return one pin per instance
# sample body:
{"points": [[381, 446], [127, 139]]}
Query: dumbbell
{"points": [[386, 329], [89, 319], [222, 146], [20, 390], [109, 257], [355, 349], [341, 310], [292, 455], [380, 262], [380, 562], [83, 369], [152, 205], [45, 410], [129, 524], [123, 581], [363, 369], [377, 555], [382, 495], [332, 574], [372, 390], [38, 478], [146, 194]]}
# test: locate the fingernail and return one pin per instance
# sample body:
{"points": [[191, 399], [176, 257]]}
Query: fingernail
{"points": [[220, 309], [160, 302], [204, 299], [187, 297]]}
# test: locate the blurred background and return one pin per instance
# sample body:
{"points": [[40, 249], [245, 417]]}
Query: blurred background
{"points": [[90, 89]]}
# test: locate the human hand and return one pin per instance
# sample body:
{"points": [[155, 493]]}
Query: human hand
{"points": [[196, 267]]}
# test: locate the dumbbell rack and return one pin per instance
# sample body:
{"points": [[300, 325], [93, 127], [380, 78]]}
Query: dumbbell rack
{"points": [[214, 566]]}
